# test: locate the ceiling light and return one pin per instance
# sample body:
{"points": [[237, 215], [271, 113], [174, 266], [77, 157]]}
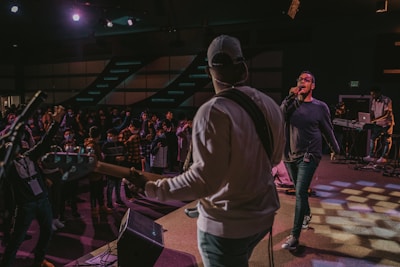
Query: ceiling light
{"points": [[293, 8], [106, 22], [131, 21], [76, 17], [14, 8]]}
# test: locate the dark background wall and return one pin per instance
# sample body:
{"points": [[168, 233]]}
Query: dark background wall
{"points": [[336, 49]]}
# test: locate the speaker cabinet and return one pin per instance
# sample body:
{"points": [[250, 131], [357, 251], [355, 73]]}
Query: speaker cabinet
{"points": [[140, 241]]}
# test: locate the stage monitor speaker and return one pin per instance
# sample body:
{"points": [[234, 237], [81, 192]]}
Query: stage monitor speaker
{"points": [[140, 241]]}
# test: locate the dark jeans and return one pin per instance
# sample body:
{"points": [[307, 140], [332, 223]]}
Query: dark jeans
{"points": [[55, 197], [220, 252], [377, 133], [96, 192], [25, 214], [301, 174], [69, 193], [112, 183]]}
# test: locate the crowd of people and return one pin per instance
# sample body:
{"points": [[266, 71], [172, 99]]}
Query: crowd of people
{"points": [[143, 141]]}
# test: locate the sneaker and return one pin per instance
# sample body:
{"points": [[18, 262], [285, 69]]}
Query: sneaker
{"points": [[54, 227], [291, 243], [368, 159], [44, 263], [58, 223], [192, 212], [306, 221], [381, 160]]}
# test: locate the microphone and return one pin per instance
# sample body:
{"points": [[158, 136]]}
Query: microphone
{"points": [[293, 94]]}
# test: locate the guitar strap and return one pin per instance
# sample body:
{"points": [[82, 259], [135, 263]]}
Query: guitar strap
{"points": [[263, 129]]}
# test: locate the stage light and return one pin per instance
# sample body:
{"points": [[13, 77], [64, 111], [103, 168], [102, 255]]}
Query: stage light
{"points": [[131, 21], [14, 8], [106, 22], [293, 8], [76, 17]]}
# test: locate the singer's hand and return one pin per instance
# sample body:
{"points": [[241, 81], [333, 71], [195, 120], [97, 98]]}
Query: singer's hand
{"points": [[296, 90]]}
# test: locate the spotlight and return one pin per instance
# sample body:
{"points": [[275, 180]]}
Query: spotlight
{"points": [[76, 17], [14, 8], [106, 22], [131, 21]]}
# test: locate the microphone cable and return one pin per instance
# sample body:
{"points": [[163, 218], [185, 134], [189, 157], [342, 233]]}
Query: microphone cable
{"points": [[270, 249]]}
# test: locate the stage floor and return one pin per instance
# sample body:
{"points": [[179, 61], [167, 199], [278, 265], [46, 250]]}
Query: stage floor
{"points": [[356, 222]]}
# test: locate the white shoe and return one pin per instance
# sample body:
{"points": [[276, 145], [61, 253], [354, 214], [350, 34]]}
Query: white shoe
{"points": [[54, 227], [368, 159], [58, 224], [306, 221], [381, 160]]}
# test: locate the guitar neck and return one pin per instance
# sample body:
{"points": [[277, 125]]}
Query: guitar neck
{"points": [[122, 172]]}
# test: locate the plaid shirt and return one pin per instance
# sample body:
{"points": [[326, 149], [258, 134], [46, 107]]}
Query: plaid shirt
{"points": [[133, 147], [146, 149]]}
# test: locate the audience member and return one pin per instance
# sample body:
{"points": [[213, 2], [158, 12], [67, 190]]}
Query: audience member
{"points": [[114, 152], [172, 141], [70, 188], [96, 189], [130, 137], [53, 179], [159, 152], [30, 196], [184, 133]]}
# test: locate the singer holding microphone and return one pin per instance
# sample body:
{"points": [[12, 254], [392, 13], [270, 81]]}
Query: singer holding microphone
{"points": [[306, 120]]}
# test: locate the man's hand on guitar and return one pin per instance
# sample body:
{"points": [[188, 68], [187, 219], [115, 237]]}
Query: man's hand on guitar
{"points": [[136, 181], [133, 188]]}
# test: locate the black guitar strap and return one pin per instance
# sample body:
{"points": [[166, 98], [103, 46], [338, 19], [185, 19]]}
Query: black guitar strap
{"points": [[263, 129]]}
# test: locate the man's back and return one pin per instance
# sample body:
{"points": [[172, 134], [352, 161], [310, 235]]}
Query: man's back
{"points": [[229, 156]]}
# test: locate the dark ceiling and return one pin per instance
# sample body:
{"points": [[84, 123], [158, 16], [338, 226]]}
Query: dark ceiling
{"points": [[43, 29]]}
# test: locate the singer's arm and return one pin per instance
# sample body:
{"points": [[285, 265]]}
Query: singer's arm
{"points": [[291, 102]]}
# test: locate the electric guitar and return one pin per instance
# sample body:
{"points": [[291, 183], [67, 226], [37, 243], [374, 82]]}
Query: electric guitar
{"points": [[79, 165]]}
